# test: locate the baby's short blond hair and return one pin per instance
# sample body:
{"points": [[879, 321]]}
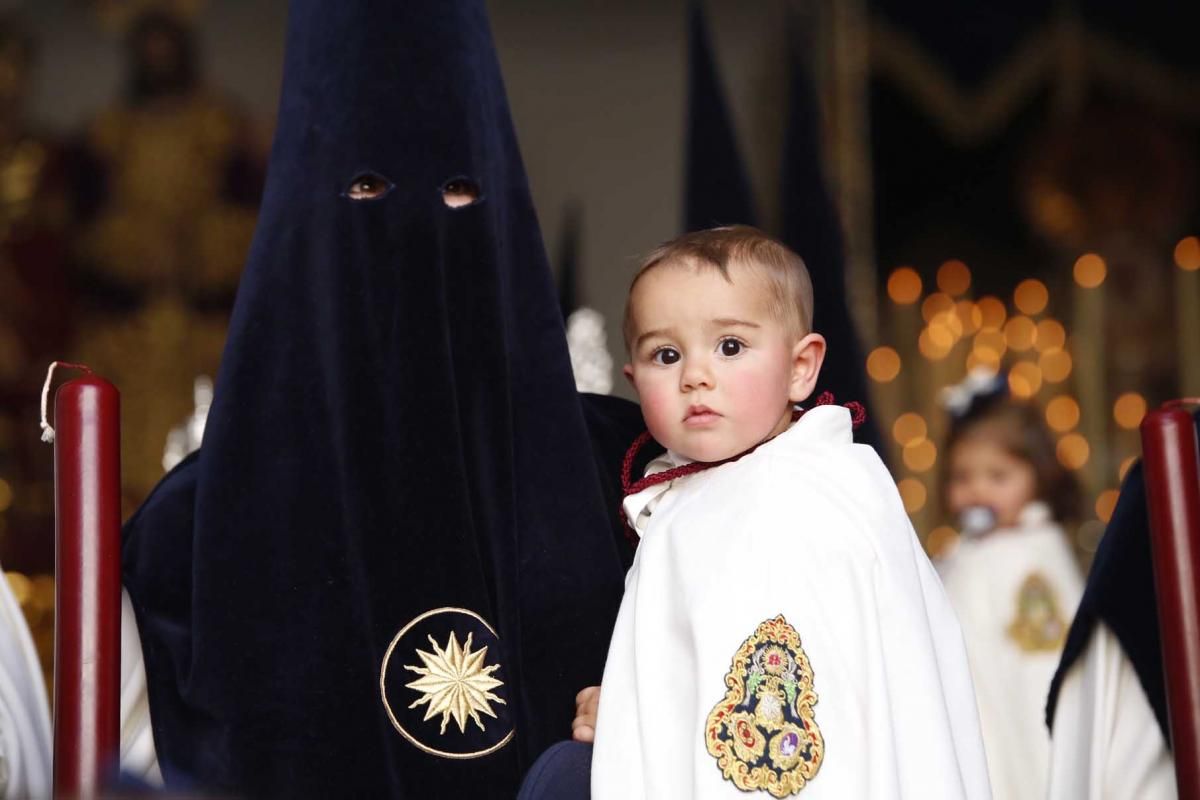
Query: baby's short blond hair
{"points": [[790, 286]]}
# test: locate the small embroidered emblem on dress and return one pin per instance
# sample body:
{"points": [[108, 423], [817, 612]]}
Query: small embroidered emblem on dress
{"points": [[1038, 625], [763, 733]]}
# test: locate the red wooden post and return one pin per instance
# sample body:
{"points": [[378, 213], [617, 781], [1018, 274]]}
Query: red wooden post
{"points": [[87, 647], [1173, 491]]}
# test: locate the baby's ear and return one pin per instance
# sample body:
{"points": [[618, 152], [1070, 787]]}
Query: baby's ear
{"points": [[807, 357], [627, 371]]}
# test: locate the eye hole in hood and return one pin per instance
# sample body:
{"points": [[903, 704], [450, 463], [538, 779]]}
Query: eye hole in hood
{"points": [[461, 191], [367, 186]]}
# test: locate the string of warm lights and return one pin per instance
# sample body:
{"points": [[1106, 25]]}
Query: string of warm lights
{"points": [[955, 333]]}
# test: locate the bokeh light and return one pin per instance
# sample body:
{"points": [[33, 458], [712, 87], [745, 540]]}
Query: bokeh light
{"points": [[21, 587], [1020, 333], [909, 427], [42, 594], [920, 455], [985, 359], [989, 341], [953, 277], [904, 286], [969, 316], [1090, 270], [993, 312], [883, 364], [940, 541], [1125, 465], [1105, 504], [932, 348], [936, 304], [1073, 451], [1031, 296], [1024, 379], [1187, 254], [913, 494], [1129, 410], [1055, 365], [1062, 413], [1051, 335], [945, 329]]}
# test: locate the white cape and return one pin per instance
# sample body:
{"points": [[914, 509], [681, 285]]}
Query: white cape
{"points": [[24, 708], [25, 728], [782, 629], [1015, 591], [1106, 742]]}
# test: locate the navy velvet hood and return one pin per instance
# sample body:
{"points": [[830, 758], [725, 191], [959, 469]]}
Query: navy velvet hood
{"points": [[397, 557]]}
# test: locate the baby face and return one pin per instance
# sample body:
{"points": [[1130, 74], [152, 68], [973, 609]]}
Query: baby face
{"points": [[982, 473], [712, 366]]}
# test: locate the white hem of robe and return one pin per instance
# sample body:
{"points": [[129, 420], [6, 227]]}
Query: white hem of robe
{"points": [[1106, 743]]}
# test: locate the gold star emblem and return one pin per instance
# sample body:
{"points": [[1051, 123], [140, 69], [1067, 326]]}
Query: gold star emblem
{"points": [[454, 682]]}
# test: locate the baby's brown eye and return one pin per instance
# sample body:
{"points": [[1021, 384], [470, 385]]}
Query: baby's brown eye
{"points": [[666, 356], [368, 186], [730, 347]]}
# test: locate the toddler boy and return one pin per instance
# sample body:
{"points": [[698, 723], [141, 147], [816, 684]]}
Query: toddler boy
{"points": [[781, 628]]}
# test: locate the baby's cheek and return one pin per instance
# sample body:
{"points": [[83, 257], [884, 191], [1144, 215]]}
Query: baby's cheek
{"points": [[761, 396], [655, 409]]}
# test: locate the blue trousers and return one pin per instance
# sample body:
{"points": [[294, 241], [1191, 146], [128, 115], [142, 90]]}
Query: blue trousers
{"points": [[563, 772]]}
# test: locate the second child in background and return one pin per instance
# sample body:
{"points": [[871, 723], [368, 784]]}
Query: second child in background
{"points": [[1012, 577]]}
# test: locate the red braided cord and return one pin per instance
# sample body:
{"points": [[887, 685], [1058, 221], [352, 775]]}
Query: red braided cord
{"points": [[630, 455]]}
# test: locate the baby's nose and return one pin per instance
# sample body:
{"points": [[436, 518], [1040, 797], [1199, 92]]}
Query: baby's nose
{"points": [[697, 373]]}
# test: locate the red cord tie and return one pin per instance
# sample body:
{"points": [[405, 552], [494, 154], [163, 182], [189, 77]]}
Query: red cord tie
{"points": [[858, 415]]}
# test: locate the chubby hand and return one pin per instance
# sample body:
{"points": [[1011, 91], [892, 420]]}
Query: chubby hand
{"points": [[583, 727]]}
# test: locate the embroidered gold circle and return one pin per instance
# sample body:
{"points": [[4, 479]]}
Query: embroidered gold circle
{"points": [[455, 682]]}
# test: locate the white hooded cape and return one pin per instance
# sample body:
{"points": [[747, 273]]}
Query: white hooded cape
{"points": [[782, 630]]}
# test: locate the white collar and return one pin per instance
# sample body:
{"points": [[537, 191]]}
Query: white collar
{"points": [[827, 423]]}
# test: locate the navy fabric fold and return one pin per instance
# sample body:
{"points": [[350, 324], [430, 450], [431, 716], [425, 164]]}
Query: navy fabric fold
{"points": [[717, 190], [812, 227]]}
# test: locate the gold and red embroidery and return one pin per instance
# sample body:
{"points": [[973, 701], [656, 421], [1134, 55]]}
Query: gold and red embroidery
{"points": [[763, 732], [1038, 625]]}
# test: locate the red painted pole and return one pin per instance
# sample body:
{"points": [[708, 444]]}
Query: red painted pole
{"points": [[87, 553], [1172, 465]]}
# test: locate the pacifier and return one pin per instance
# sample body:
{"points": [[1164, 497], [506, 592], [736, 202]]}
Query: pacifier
{"points": [[975, 521]]}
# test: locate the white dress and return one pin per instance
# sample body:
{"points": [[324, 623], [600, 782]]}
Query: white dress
{"points": [[782, 629], [1015, 591], [24, 708]]}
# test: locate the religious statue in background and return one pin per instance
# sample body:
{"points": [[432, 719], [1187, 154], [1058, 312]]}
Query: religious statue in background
{"points": [[172, 185], [34, 306]]}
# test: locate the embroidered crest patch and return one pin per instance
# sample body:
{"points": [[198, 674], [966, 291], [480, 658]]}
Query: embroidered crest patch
{"points": [[1038, 625], [442, 686], [763, 733]]}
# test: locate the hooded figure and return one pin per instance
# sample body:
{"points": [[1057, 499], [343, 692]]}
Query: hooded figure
{"points": [[396, 557]]}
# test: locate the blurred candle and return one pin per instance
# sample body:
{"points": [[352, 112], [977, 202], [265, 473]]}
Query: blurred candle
{"points": [[87, 647], [1088, 352], [1187, 314]]}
